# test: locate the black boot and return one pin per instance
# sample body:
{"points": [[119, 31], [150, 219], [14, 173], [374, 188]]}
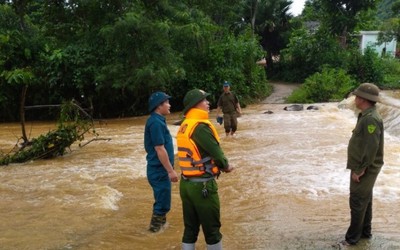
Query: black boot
{"points": [[156, 223]]}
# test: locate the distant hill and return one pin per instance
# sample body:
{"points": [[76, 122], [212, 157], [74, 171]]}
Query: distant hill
{"points": [[385, 9]]}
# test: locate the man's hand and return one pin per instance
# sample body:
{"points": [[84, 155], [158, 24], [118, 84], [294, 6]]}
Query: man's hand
{"points": [[356, 177], [228, 169], [220, 120], [173, 176]]}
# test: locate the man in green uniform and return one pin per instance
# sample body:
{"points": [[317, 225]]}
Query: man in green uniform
{"points": [[365, 160], [201, 159], [229, 103]]}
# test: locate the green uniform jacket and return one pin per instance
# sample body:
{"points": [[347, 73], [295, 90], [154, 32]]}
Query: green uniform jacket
{"points": [[228, 102], [365, 149], [208, 145]]}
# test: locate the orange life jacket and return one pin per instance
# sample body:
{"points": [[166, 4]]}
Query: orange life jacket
{"points": [[190, 160]]}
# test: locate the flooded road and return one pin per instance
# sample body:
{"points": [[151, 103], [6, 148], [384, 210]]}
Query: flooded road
{"points": [[289, 189]]}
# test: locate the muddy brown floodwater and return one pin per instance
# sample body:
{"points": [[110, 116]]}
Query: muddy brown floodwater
{"points": [[289, 189]]}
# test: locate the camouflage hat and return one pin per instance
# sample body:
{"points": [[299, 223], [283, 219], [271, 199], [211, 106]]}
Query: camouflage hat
{"points": [[368, 91], [193, 97]]}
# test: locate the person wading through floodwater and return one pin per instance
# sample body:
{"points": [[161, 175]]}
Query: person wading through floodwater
{"points": [[160, 158], [230, 106], [201, 159]]}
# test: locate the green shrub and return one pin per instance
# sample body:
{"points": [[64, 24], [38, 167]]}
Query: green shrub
{"points": [[306, 54], [329, 85], [367, 67], [391, 69]]}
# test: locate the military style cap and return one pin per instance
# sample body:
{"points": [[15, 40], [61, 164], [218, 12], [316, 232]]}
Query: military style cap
{"points": [[368, 91], [193, 97], [156, 99]]}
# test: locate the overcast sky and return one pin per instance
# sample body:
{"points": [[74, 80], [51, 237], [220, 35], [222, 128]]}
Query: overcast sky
{"points": [[297, 7]]}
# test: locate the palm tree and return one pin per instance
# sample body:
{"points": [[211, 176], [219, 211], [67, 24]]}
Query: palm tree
{"points": [[269, 19]]}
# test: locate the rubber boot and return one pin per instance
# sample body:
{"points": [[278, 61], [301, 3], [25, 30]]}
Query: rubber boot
{"points": [[188, 246], [156, 223], [217, 246]]}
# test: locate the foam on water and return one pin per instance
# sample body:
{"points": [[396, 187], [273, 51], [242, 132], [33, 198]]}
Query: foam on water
{"points": [[304, 153], [389, 100], [109, 198], [289, 189]]}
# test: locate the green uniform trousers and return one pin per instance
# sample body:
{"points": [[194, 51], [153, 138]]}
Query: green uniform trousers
{"points": [[230, 122], [360, 201], [199, 210]]}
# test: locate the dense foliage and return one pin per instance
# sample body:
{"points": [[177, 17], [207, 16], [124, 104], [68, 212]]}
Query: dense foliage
{"points": [[110, 55], [325, 36]]}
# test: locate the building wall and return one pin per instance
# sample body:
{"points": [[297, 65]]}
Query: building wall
{"points": [[370, 39]]}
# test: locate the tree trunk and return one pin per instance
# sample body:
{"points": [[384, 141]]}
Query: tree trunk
{"points": [[253, 15], [22, 113], [343, 38]]}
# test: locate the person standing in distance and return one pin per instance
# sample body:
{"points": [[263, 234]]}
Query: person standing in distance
{"points": [[160, 158], [201, 160], [365, 160], [229, 103]]}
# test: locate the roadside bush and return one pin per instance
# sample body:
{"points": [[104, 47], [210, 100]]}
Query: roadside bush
{"points": [[329, 85], [391, 69], [367, 67], [306, 54]]}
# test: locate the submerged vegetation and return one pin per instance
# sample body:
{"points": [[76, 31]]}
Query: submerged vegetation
{"points": [[72, 125]]}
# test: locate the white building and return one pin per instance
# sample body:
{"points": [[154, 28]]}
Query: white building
{"points": [[370, 39]]}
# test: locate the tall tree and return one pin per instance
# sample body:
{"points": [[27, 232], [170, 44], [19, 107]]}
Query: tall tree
{"points": [[341, 15], [270, 21], [93, 49], [20, 49], [390, 28]]}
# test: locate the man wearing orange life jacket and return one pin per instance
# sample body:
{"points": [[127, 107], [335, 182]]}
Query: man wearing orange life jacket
{"points": [[201, 159]]}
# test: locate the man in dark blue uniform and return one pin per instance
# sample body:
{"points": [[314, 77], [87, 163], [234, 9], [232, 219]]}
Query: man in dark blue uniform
{"points": [[160, 158]]}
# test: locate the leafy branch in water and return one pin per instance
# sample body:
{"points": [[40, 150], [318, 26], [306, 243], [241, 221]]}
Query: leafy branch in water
{"points": [[72, 125]]}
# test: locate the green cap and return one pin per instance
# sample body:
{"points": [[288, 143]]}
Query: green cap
{"points": [[193, 97], [368, 91]]}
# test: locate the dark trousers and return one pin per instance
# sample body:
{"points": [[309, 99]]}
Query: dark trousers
{"points": [[230, 122], [161, 184], [361, 207], [200, 211]]}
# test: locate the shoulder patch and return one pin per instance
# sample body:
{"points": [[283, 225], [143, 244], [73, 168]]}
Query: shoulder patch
{"points": [[371, 128]]}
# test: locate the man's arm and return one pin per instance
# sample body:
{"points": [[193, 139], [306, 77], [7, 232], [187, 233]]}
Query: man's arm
{"points": [[219, 105], [218, 110], [163, 157], [206, 141], [238, 108], [371, 139]]}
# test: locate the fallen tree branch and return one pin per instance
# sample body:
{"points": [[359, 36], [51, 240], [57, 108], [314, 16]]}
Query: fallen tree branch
{"points": [[94, 139]]}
